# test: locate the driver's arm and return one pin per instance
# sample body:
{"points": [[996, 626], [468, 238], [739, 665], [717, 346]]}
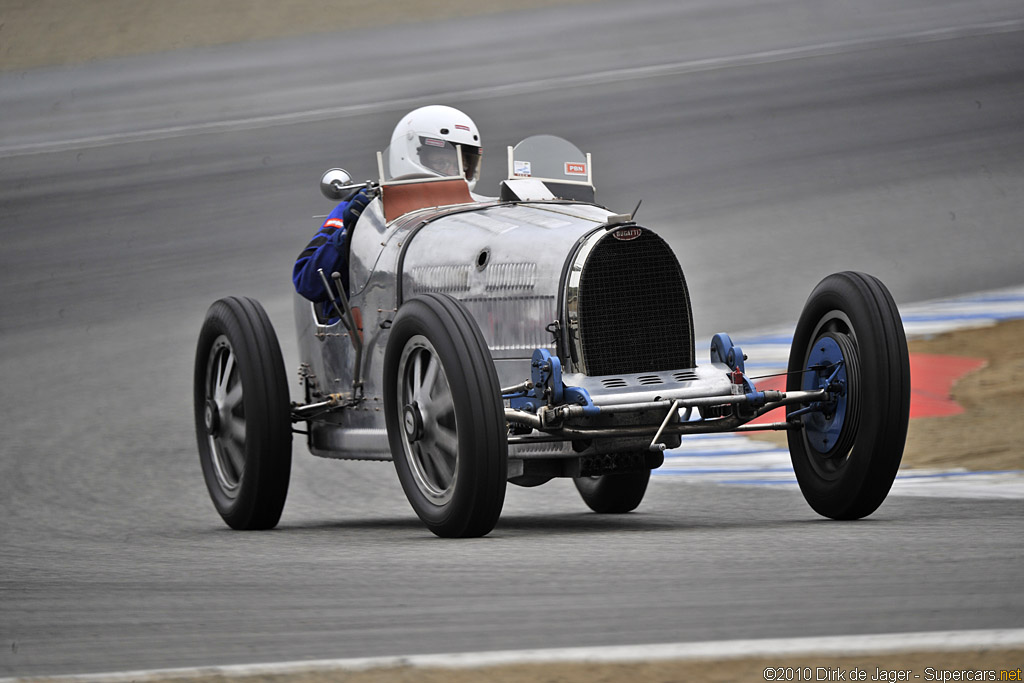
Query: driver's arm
{"points": [[327, 251]]}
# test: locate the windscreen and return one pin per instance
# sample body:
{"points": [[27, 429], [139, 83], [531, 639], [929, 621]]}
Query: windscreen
{"points": [[549, 157]]}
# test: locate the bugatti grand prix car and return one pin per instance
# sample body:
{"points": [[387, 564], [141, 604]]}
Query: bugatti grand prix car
{"points": [[532, 336]]}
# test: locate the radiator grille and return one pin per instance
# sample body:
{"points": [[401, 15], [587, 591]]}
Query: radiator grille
{"points": [[634, 308]]}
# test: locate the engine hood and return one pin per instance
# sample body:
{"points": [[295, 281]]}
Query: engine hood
{"points": [[505, 263]]}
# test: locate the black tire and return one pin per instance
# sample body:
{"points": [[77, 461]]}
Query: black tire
{"points": [[613, 493], [445, 418], [846, 458], [242, 413]]}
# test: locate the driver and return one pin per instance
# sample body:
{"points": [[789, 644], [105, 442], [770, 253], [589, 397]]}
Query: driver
{"points": [[424, 142]]}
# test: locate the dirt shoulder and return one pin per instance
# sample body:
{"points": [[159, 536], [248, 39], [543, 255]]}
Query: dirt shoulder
{"points": [[989, 433], [51, 32]]}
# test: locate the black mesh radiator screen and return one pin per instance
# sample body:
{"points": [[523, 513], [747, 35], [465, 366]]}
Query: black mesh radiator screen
{"points": [[634, 307]]}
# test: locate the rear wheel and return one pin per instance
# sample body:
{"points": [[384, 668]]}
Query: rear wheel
{"points": [[850, 338], [613, 493], [445, 419], [242, 414]]}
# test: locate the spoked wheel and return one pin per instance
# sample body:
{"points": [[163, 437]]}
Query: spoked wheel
{"points": [[613, 493], [850, 339], [243, 426], [445, 419]]}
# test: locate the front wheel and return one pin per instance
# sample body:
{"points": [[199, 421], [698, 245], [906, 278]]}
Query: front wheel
{"points": [[242, 414], [445, 419], [850, 339]]}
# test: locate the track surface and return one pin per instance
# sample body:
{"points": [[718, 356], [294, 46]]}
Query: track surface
{"points": [[784, 141]]}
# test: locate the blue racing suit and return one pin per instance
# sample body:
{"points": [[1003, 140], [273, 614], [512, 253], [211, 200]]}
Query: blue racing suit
{"points": [[328, 250]]}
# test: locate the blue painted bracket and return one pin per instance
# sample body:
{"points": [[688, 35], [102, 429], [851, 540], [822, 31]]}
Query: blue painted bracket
{"points": [[724, 351], [548, 388]]}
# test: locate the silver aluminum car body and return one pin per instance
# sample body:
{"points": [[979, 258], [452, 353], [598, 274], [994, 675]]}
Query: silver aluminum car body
{"points": [[503, 260]]}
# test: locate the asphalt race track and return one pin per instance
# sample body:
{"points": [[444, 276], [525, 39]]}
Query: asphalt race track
{"points": [[772, 143]]}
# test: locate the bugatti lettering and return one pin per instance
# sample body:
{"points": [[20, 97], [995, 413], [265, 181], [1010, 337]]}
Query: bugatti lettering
{"points": [[627, 234], [515, 339]]}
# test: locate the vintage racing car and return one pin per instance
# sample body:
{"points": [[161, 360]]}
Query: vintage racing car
{"points": [[532, 336]]}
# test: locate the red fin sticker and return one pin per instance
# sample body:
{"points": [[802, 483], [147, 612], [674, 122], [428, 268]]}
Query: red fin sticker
{"points": [[575, 168]]}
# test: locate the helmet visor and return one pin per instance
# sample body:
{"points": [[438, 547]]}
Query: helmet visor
{"points": [[441, 157]]}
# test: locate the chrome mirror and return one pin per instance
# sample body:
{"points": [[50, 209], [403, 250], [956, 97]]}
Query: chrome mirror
{"points": [[334, 184]]}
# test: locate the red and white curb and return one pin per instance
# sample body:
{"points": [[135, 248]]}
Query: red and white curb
{"points": [[839, 646], [741, 460]]}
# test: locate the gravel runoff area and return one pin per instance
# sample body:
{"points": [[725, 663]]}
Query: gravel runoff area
{"points": [[985, 437], [989, 433]]}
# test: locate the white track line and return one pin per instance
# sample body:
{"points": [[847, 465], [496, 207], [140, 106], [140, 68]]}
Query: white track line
{"points": [[853, 645], [523, 87]]}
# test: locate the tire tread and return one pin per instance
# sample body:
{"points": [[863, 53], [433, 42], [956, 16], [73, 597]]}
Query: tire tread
{"points": [[264, 485], [478, 507], [859, 490]]}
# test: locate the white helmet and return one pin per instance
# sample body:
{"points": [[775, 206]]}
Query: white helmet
{"points": [[424, 142]]}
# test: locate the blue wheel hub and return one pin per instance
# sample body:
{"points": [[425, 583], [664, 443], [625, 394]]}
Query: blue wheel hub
{"points": [[824, 420]]}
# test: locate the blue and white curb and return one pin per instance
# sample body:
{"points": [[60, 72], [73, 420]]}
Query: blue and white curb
{"points": [[745, 461]]}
